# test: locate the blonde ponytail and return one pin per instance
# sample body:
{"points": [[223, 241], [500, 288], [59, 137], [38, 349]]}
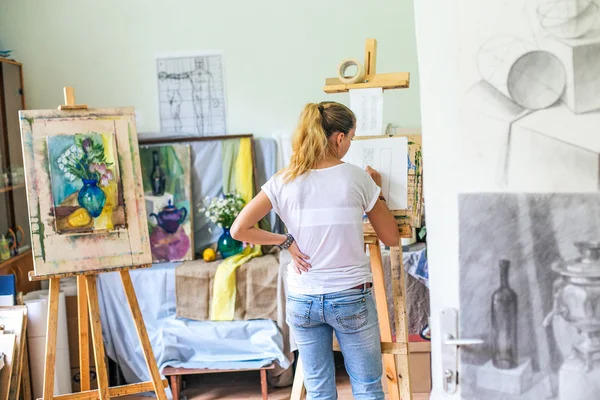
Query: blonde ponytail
{"points": [[310, 142]]}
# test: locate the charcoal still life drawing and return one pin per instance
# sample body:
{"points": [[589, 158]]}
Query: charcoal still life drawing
{"points": [[530, 289], [531, 94]]}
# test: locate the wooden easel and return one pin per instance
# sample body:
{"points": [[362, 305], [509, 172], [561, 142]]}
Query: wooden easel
{"points": [[395, 354], [89, 313]]}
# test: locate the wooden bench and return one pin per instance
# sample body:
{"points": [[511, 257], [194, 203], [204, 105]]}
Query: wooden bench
{"points": [[174, 376]]}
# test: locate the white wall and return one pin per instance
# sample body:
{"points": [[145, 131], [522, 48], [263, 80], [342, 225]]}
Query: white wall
{"points": [[277, 53], [436, 27], [471, 146]]}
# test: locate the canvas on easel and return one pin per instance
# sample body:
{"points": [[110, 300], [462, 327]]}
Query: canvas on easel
{"points": [[85, 194], [388, 156], [167, 179]]}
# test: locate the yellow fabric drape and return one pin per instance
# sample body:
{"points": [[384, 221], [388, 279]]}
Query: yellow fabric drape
{"points": [[224, 286], [244, 170]]}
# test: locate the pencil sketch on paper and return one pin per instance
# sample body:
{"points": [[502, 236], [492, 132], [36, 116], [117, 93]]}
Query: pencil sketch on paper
{"points": [[529, 286], [367, 105], [389, 157], [191, 94], [533, 96], [368, 157]]}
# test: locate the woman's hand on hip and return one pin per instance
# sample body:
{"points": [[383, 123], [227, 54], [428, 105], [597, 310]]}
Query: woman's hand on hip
{"points": [[300, 260]]}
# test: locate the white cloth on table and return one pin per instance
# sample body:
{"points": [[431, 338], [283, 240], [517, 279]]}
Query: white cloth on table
{"points": [[178, 342]]}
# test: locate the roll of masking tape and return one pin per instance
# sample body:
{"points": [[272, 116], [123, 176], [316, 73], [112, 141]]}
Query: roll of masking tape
{"points": [[357, 77]]}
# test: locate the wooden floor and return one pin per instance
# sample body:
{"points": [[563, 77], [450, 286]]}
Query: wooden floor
{"points": [[246, 386]]}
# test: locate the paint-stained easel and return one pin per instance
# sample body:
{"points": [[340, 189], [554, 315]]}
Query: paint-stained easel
{"points": [[395, 355], [89, 315]]}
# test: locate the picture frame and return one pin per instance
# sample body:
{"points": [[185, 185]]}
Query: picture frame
{"points": [[84, 189]]}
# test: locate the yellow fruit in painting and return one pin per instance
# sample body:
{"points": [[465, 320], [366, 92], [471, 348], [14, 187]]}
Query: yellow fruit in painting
{"points": [[209, 255], [79, 218]]}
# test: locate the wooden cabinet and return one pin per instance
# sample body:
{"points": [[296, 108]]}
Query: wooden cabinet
{"points": [[14, 218], [20, 266]]}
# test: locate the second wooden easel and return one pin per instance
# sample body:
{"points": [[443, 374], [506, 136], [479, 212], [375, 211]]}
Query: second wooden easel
{"points": [[89, 313], [395, 354]]}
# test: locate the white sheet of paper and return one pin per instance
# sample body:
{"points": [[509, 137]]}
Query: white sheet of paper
{"points": [[367, 105], [389, 156], [7, 300]]}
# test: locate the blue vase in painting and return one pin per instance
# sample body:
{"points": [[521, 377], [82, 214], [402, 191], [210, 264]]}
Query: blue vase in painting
{"points": [[228, 246], [91, 197]]}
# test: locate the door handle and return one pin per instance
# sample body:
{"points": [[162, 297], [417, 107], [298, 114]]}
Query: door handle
{"points": [[449, 340]]}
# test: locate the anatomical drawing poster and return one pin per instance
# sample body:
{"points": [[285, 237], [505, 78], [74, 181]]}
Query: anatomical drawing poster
{"points": [[191, 92]]}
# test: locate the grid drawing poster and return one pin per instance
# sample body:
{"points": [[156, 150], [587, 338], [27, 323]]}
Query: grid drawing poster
{"points": [[191, 94]]}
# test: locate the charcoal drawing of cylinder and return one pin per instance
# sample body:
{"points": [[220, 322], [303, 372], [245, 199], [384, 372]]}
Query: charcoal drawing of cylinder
{"points": [[504, 322]]}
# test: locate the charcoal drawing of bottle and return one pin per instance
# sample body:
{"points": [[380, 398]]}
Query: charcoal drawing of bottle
{"points": [[157, 177], [504, 322]]}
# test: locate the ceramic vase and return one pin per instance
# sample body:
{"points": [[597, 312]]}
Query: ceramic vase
{"points": [[91, 197], [228, 246]]}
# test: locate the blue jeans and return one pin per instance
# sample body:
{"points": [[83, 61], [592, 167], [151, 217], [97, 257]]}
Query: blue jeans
{"points": [[352, 315]]}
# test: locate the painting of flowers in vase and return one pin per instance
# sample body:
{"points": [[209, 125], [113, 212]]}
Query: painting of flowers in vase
{"points": [[85, 184]]}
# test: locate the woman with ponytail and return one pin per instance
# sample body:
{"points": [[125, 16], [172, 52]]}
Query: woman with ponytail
{"points": [[322, 201]]}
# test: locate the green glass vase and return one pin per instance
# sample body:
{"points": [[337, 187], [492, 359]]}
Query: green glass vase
{"points": [[228, 246]]}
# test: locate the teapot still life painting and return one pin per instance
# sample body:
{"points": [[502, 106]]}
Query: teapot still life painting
{"points": [[84, 190], [167, 177]]}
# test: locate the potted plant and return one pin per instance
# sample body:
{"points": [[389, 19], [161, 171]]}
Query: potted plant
{"points": [[222, 211]]}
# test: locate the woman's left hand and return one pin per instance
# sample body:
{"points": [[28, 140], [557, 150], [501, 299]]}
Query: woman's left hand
{"points": [[300, 260]]}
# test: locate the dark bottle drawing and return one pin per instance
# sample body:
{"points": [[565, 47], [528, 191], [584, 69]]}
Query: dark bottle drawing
{"points": [[504, 322], [157, 177]]}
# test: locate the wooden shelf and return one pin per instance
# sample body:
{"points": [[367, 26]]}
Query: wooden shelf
{"points": [[10, 61], [15, 258], [9, 188]]}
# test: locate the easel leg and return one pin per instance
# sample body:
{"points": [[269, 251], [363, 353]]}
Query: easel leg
{"points": [[143, 335], [51, 339], [389, 362], [401, 320], [298, 389], [84, 340], [92, 296], [26, 376]]}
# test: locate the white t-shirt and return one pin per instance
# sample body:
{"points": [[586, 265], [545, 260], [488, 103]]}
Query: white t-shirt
{"points": [[323, 209]]}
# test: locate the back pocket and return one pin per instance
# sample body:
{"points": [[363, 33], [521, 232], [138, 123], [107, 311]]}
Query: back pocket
{"points": [[351, 314], [297, 313]]}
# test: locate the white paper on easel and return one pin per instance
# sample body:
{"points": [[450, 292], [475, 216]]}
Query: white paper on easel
{"points": [[388, 156], [367, 105]]}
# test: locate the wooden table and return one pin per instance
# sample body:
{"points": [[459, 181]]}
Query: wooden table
{"points": [[175, 374]]}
